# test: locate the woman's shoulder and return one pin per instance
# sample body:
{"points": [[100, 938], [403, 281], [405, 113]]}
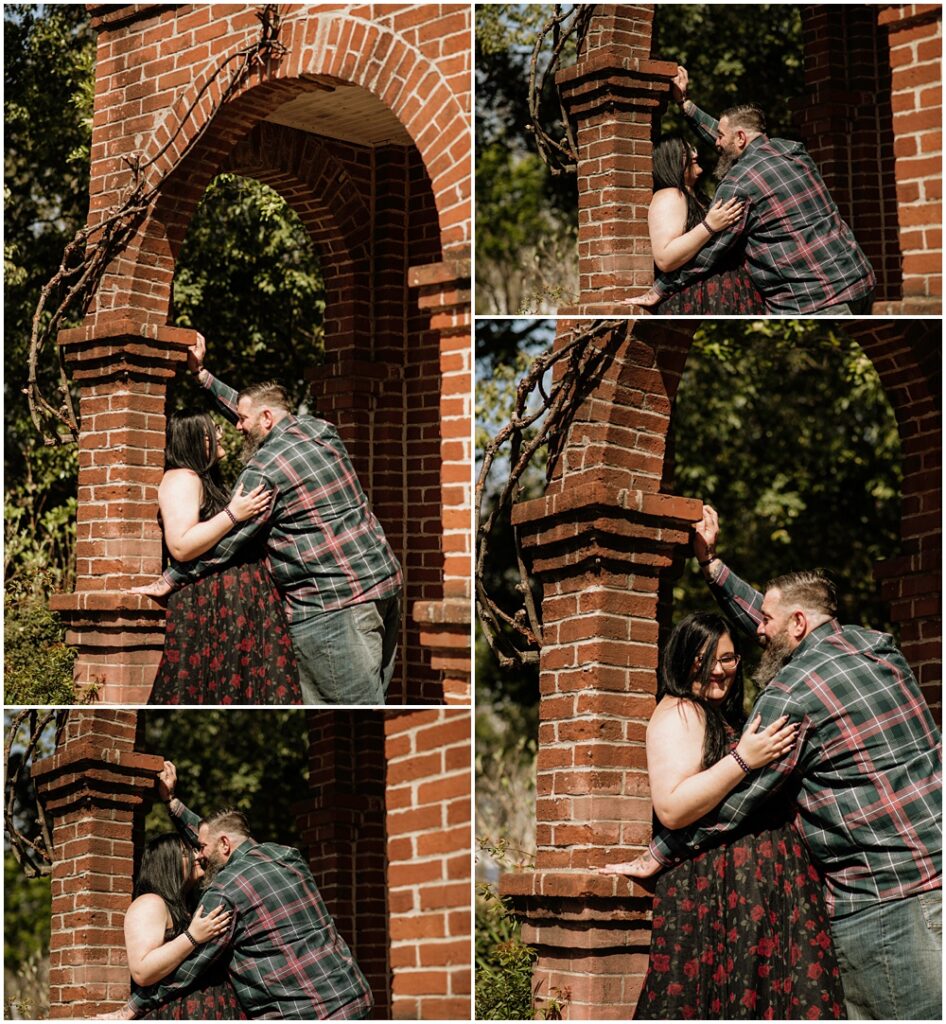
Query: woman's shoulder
{"points": [[677, 714], [668, 198], [149, 905], [183, 482]]}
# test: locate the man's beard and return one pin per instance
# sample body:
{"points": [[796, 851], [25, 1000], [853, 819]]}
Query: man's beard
{"points": [[251, 443], [210, 873], [723, 164], [776, 652]]}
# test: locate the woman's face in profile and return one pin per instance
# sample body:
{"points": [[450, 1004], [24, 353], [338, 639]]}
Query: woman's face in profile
{"points": [[192, 872], [722, 674], [217, 441], [692, 171]]}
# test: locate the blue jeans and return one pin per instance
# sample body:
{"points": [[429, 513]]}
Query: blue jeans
{"points": [[347, 656], [890, 957]]}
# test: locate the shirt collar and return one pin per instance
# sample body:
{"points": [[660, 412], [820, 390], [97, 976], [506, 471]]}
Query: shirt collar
{"points": [[816, 636]]}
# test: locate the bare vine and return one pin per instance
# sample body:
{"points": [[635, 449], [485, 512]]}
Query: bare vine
{"points": [[560, 154], [93, 247], [516, 638], [34, 855]]}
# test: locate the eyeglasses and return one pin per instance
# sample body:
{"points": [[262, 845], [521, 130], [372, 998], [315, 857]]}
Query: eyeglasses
{"points": [[727, 662]]}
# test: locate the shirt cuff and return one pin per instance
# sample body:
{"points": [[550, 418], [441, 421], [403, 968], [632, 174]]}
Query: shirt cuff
{"points": [[172, 579], [658, 854]]}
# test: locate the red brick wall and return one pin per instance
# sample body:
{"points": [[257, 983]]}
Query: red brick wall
{"points": [[342, 831], [378, 216], [916, 49], [429, 862]]}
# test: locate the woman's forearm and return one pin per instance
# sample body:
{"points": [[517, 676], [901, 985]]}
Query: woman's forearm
{"points": [[699, 794], [683, 248], [158, 963], [200, 537]]}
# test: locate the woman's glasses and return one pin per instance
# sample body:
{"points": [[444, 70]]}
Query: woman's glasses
{"points": [[727, 662]]}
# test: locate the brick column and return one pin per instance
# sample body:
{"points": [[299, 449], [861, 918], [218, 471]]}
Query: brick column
{"points": [[605, 544], [845, 121], [613, 95], [122, 370], [916, 46], [445, 621], [93, 788], [342, 830], [428, 824]]}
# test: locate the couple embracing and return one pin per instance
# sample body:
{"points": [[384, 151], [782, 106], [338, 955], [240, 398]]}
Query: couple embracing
{"points": [[223, 927], [800, 856], [285, 591], [772, 242]]}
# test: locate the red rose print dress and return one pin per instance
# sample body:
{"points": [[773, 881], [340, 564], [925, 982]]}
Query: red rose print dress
{"points": [[212, 998], [729, 289], [227, 642], [741, 932]]}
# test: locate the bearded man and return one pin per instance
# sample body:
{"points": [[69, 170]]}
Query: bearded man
{"points": [[867, 765], [800, 253], [340, 581]]}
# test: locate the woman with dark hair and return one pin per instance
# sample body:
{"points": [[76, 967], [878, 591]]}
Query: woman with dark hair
{"points": [[741, 930], [681, 223], [162, 929], [226, 637]]}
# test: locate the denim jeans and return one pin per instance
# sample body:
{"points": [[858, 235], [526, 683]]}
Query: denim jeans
{"points": [[890, 957], [347, 656]]}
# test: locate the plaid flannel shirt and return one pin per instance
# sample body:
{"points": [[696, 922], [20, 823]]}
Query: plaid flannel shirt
{"points": [[326, 550], [799, 252], [868, 759], [287, 962]]}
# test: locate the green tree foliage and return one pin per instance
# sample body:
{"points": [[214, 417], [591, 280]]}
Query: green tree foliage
{"points": [[247, 278], [783, 426], [255, 761], [27, 905]]}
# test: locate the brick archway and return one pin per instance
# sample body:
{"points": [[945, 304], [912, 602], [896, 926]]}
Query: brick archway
{"points": [[607, 543], [871, 117], [385, 195], [385, 824]]}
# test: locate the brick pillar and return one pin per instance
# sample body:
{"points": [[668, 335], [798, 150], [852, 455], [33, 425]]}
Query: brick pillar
{"points": [[428, 803], [915, 37], [445, 620], [906, 355], [122, 370], [845, 120], [342, 829], [93, 788], [605, 543], [613, 95]]}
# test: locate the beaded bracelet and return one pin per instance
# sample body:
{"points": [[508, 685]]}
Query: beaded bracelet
{"points": [[226, 509], [193, 941], [742, 764]]}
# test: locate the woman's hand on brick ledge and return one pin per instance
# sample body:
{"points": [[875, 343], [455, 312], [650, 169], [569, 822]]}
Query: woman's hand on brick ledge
{"points": [[158, 589]]}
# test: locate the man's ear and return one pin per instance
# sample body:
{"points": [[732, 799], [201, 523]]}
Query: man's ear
{"points": [[798, 624]]}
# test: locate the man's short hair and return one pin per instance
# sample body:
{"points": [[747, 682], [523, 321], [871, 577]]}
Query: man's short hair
{"points": [[229, 820], [270, 392], [811, 589], [748, 116]]}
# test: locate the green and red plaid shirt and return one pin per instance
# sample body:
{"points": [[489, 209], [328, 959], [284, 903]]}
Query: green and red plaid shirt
{"points": [[326, 550], [287, 961], [868, 759], [800, 254]]}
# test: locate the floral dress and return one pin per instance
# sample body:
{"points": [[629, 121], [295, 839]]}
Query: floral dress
{"points": [[227, 642], [729, 289], [741, 932]]}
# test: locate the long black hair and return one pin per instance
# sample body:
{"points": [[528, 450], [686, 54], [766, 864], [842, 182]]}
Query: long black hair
{"points": [[697, 636], [671, 159], [163, 872], [192, 444]]}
